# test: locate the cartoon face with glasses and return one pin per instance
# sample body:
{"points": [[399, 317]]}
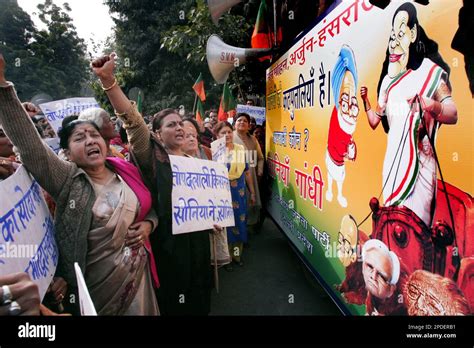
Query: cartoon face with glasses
{"points": [[341, 145], [347, 241]]}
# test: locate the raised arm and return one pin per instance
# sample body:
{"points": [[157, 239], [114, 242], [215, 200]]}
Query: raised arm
{"points": [[50, 171], [373, 116], [137, 130]]}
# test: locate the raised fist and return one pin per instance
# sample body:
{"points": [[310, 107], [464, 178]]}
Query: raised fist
{"points": [[2, 62], [364, 91], [31, 109], [2, 69], [99, 62], [104, 67]]}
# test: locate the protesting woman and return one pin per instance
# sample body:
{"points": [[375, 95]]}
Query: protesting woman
{"points": [[192, 148], [239, 175], [254, 158], [103, 215], [182, 260], [191, 144]]}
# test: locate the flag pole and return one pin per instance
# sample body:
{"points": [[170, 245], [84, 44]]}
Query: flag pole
{"points": [[216, 274], [195, 101], [275, 22]]}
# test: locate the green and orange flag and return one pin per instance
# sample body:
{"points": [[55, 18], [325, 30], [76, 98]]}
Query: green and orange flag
{"points": [[263, 36], [199, 88], [199, 112], [228, 106]]}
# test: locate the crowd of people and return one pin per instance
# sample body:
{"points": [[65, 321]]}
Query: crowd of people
{"points": [[116, 169]]}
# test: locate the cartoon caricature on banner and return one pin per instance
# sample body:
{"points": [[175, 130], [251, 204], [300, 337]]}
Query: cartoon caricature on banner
{"points": [[393, 235]]}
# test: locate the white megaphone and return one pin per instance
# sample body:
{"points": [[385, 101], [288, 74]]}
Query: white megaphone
{"points": [[223, 58], [218, 7]]}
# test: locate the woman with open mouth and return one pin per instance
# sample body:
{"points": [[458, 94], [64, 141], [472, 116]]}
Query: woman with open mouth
{"points": [[103, 216], [183, 260]]}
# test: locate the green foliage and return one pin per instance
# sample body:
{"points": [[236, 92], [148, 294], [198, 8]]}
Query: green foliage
{"points": [[165, 43], [48, 61]]}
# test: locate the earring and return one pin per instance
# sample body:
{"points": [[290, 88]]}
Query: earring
{"points": [[420, 48]]}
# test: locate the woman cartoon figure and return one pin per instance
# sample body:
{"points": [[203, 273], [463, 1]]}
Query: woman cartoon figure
{"points": [[341, 146], [412, 68]]}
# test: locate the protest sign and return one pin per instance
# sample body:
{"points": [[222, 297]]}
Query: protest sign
{"points": [[253, 111], [57, 110], [85, 300], [53, 143], [27, 241], [201, 195], [218, 150]]}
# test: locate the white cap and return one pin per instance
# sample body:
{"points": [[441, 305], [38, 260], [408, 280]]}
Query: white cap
{"points": [[375, 243]]}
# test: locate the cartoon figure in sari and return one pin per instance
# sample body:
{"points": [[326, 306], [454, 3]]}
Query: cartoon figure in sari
{"points": [[413, 74]]}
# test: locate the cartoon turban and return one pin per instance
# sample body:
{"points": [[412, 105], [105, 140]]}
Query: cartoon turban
{"points": [[345, 62]]}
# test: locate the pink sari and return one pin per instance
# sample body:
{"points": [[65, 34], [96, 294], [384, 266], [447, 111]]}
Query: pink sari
{"points": [[131, 176]]}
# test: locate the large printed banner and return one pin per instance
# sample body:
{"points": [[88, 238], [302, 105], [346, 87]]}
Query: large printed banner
{"points": [[359, 123], [56, 111], [27, 241], [201, 195]]}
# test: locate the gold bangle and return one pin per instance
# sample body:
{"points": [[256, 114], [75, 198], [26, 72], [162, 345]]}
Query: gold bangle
{"points": [[109, 88]]}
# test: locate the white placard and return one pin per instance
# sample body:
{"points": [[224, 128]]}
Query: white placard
{"points": [[218, 150], [27, 241], [57, 110], [253, 111], [53, 143], [85, 301], [201, 195]]}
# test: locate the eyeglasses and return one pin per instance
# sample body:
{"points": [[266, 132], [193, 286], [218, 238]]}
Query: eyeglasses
{"points": [[353, 108], [345, 244]]}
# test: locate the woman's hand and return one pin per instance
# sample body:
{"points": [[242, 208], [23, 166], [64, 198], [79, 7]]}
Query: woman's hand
{"points": [[217, 229], [2, 70], [253, 199], [6, 168], [31, 109], [364, 91], [138, 233], [23, 291], [104, 67], [58, 287]]}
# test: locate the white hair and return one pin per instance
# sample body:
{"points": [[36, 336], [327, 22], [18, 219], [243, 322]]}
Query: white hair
{"points": [[95, 115], [378, 244]]}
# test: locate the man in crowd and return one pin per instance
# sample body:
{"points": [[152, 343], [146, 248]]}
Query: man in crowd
{"points": [[207, 136], [213, 117]]}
